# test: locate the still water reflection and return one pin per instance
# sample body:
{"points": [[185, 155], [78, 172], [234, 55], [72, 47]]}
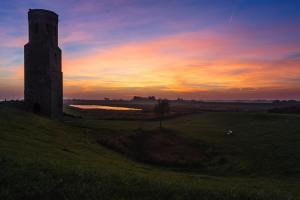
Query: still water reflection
{"points": [[89, 107]]}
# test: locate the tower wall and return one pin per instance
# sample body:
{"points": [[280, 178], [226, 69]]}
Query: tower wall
{"points": [[42, 56]]}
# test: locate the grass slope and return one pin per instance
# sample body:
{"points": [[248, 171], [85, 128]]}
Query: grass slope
{"points": [[44, 159]]}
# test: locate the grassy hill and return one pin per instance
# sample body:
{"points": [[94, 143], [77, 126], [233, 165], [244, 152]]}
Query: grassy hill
{"points": [[44, 159]]}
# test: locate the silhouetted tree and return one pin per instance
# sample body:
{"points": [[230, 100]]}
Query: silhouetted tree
{"points": [[161, 108]]}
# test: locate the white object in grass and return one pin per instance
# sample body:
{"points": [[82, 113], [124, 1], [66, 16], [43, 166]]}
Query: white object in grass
{"points": [[229, 132]]}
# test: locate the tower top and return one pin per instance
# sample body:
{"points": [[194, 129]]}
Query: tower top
{"points": [[43, 27], [42, 14]]}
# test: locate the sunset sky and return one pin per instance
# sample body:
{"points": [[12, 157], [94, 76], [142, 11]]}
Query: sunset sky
{"points": [[192, 49]]}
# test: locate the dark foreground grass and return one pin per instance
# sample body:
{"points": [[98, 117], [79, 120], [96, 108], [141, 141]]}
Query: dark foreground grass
{"points": [[36, 181], [43, 159]]}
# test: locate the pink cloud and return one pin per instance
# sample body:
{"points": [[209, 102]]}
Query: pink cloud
{"points": [[196, 62]]}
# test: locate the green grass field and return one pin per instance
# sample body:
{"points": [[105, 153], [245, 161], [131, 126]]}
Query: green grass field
{"points": [[44, 159]]}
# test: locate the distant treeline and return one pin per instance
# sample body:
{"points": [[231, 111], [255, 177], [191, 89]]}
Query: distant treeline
{"points": [[286, 110]]}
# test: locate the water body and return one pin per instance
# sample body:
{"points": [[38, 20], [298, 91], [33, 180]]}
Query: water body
{"points": [[99, 107]]}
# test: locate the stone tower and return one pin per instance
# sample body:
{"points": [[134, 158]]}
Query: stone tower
{"points": [[43, 74]]}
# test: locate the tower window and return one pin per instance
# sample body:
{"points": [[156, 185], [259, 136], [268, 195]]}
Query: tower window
{"points": [[48, 29], [55, 57], [36, 28]]}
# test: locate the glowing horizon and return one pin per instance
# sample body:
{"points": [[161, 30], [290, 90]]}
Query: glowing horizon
{"points": [[191, 49]]}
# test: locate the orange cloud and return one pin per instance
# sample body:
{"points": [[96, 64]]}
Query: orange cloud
{"points": [[189, 62], [11, 82]]}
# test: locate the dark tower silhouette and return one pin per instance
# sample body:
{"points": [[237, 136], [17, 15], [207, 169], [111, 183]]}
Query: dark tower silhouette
{"points": [[43, 75]]}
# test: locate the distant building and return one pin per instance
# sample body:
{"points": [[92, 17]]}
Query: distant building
{"points": [[43, 75], [138, 98], [152, 98]]}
